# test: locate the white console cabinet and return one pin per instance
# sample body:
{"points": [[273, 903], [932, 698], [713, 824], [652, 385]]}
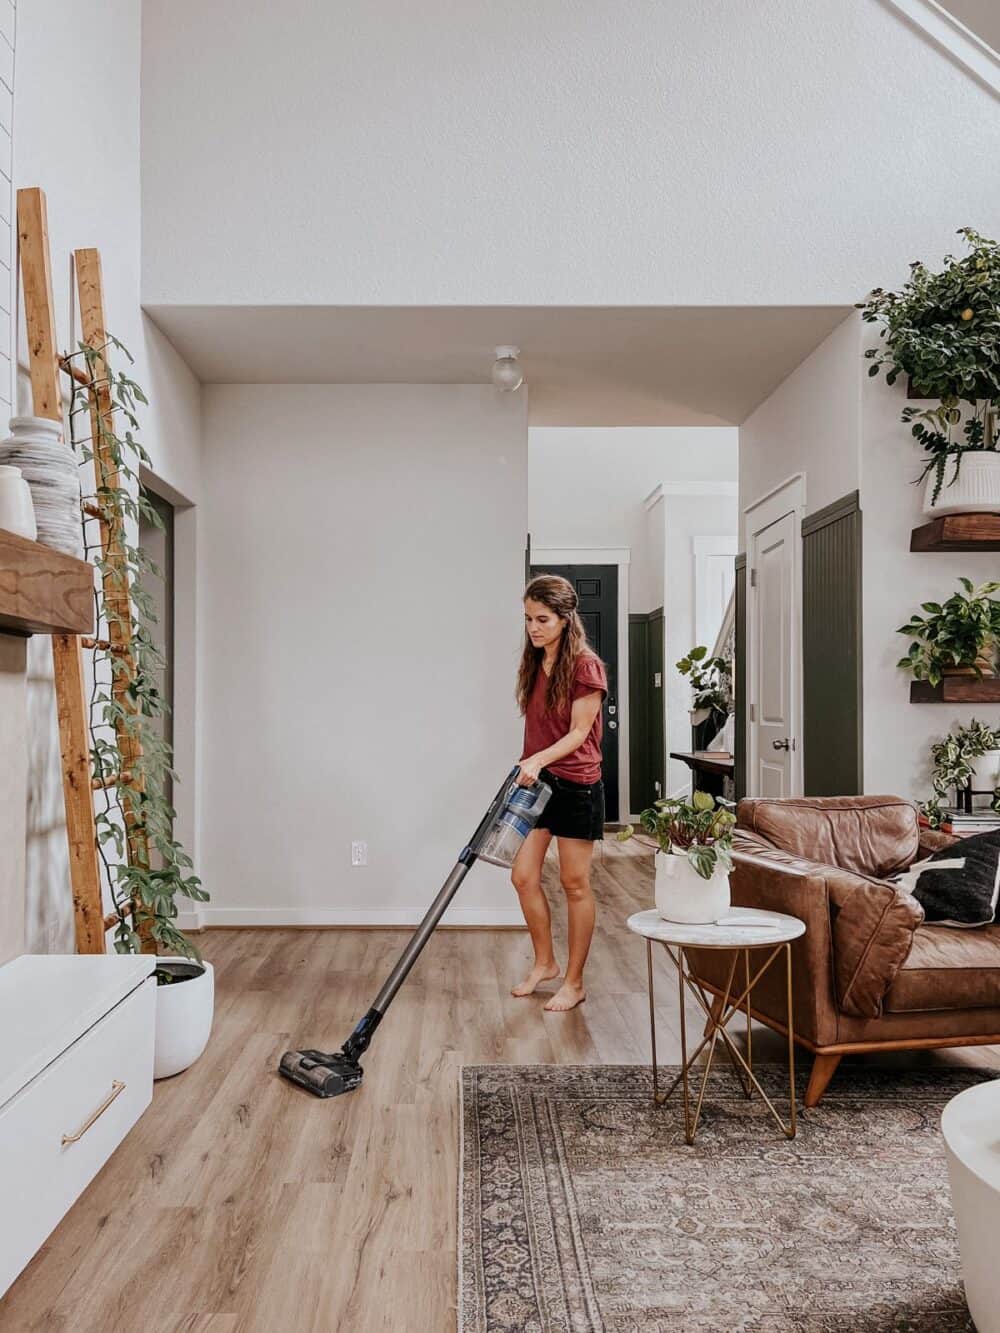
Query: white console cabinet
{"points": [[76, 1072]]}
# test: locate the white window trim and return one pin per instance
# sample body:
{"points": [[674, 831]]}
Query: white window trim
{"points": [[622, 557], [788, 497]]}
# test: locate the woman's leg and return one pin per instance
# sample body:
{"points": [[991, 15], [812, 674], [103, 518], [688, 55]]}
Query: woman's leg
{"points": [[526, 876], [575, 856]]}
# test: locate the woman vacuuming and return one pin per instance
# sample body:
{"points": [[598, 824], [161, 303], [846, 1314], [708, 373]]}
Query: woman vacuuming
{"points": [[561, 684]]}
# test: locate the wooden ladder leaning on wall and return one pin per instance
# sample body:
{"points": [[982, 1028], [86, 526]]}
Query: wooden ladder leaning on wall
{"points": [[46, 364]]}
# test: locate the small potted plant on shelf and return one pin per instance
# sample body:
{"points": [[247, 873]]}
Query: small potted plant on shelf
{"points": [[694, 845], [942, 330], [967, 759], [957, 638], [711, 703]]}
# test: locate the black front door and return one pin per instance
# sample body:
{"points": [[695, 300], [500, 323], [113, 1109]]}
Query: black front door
{"points": [[597, 588]]}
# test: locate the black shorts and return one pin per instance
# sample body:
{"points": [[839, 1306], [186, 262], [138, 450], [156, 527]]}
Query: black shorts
{"points": [[575, 809]]}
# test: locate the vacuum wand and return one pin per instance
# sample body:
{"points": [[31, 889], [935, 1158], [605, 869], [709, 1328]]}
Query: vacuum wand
{"points": [[512, 814]]}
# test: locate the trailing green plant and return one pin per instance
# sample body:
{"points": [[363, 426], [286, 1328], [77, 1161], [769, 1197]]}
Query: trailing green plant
{"points": [[943, 331], [700, 829], [960, 633], [711, 680], [131, 807], [953, 758]]}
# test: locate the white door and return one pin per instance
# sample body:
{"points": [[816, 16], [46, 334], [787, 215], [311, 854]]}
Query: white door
{"points": [[774, 676]]}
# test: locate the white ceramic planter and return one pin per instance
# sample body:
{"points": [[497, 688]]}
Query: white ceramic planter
{"points": [[682, 894], [699, 715], [50, 468], [184, 1011], [986, 771], [17, 513], [976, 490]]}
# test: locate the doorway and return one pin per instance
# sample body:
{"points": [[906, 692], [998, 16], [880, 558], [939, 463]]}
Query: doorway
{"points": [[597, 589]]}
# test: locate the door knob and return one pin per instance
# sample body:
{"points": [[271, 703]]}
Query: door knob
{"points": [[781, 745], [612, 725]]}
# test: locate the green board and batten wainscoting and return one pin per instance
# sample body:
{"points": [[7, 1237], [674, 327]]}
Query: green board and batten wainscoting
{"points": [[740, 680], [647, 751]]}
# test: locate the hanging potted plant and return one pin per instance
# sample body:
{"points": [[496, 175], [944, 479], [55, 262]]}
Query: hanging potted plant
{"points": [[959, 637], [711, 701], [694, 845], [967, 759], [146, 870], [942, 330]]}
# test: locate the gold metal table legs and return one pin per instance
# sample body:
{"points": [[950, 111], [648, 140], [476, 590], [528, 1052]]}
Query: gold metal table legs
{"points": [[719, 1011]]}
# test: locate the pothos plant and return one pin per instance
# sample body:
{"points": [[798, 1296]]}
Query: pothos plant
{"points": [[132, 808], [953, 758], [699, 829], [943, 331], [710, 680], [962, 633]]}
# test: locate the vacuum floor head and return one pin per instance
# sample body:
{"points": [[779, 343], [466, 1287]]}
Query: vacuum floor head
{"points": [[324, 1074]]}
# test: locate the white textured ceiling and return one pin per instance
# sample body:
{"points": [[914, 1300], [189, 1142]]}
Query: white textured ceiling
{"points": [[584, 366]]}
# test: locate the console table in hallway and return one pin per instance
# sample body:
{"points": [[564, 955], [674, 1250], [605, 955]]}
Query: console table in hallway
{"points": [[710, 769]]}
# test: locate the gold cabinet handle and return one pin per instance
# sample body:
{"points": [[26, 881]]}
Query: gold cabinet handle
{"points": [[117, 1088]]}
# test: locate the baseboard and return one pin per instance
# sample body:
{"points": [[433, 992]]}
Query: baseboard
{"points": [[317, 918]]}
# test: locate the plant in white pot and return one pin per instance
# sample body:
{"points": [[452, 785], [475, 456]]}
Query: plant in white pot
{"points": [[711, 686], [146, 869], [942, 330], [694, 856], [967, 759]]}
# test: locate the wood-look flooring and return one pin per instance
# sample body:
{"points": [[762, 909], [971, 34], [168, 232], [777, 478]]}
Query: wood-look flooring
{"points": [[239, 1203]]}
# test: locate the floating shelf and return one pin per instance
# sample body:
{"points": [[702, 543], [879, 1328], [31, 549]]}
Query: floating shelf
{"points": [[43, 591], [958, 532], [956, 690]]}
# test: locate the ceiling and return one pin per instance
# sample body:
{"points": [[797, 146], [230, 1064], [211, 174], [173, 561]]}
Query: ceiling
{"points": [[584, 365]]}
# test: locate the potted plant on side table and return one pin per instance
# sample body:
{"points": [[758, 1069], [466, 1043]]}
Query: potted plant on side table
{"points": [[694, 845], [711, 703], [942, 330], [967, 760]]}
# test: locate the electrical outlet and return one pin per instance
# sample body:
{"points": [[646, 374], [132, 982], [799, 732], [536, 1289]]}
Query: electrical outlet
{"points": [[359, 853]]}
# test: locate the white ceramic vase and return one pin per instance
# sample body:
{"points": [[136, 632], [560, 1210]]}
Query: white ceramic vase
{"points": [[699, 715], [976, 489], [986, 771], [682, 894], [184, 1011], [49, 466], [17, 513]]}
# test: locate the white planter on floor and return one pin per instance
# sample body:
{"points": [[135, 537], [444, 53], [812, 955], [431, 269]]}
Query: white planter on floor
{"points": [[976, 490], [986, 771], [682, 894], [184, 1011]]}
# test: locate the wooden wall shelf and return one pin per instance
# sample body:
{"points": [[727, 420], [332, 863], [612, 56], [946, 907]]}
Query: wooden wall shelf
{"points": [[43, 591], [958, 532], [957, 690]]}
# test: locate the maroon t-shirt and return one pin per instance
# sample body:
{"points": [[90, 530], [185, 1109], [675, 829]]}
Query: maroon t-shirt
{"points": [[543, 729]]}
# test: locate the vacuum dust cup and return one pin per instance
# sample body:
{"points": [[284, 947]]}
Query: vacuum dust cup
{"points": [[522, 810]]}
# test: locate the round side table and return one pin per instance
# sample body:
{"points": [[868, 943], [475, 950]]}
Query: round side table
{"points": [[970, 1127], [740, 937]]}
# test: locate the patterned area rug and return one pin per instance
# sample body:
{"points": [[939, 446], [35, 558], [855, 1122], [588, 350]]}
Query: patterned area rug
{"points": [[583, 1211]]}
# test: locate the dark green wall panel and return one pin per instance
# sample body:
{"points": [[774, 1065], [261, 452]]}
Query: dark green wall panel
{"points": [[831, 650], [740, 682]]}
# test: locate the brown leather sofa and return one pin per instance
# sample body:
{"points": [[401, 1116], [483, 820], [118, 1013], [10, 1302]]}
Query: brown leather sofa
{"points": [[868, 975]]}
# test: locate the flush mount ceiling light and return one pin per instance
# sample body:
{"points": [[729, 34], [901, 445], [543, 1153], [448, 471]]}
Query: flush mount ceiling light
{"points": [[507, 372]]}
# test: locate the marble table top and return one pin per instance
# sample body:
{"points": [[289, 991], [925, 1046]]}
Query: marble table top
{"points": [[779, 928]]}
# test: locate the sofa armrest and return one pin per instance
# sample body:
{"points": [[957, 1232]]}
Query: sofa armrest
{"points": [[859, 930], [933, 840]]}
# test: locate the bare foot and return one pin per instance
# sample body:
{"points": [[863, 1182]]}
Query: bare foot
{"points": [[538, 973], [568, 996]]}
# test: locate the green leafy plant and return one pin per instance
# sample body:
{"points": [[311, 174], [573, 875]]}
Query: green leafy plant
{"points": [[132, 808], [943, 331], [953, 758], [962, 633], [711, 680], [700, 828]]}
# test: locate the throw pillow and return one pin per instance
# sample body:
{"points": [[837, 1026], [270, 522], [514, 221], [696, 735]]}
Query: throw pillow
{"points": [[957, 886]]}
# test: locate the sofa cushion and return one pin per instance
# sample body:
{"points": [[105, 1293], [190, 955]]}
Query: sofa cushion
{"points": [[948, 968], [958, 885], [870, 835]]}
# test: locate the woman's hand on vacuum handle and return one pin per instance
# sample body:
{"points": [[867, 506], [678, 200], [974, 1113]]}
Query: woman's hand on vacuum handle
{"points": [[530, 769]]}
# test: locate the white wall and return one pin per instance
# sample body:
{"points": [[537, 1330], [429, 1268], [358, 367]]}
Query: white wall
{"points": [[362, 563], [898, 734], [76, 114], [549, 153], [587, 486], [685, 517], [811, 424]]}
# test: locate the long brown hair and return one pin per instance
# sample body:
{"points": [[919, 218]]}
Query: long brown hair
{"points": [[560, 597]]}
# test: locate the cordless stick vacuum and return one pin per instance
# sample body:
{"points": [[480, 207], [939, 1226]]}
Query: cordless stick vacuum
{"points": [[513, 813]]}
